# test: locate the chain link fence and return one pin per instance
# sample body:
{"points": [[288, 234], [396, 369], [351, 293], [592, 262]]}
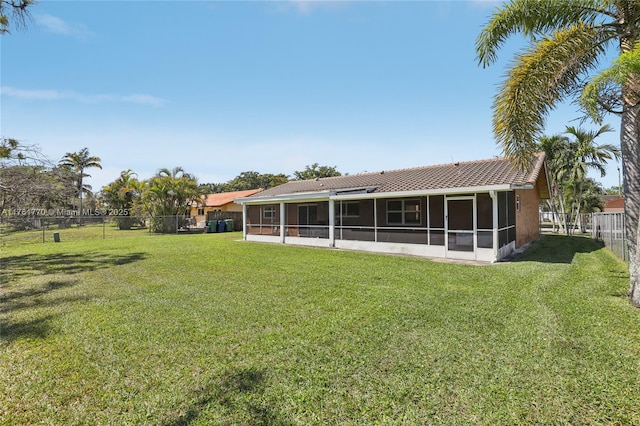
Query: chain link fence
{"points": [[609, 228], [17, 230]]}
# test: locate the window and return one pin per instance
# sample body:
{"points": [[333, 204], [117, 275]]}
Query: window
{"points": [[350, 209], [403, 212], [269, 212], [200, 211]]}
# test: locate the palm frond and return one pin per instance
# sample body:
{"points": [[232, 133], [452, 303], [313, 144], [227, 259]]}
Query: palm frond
{"points": [[548, 71], [534, 18], [594, 98]]}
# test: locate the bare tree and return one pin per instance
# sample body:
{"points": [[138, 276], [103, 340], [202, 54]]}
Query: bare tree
{"points": [[14, 12], [27, 180]]}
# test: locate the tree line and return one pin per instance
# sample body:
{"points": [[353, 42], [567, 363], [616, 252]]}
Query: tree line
{"points": [[33, 185], [172, 192]]}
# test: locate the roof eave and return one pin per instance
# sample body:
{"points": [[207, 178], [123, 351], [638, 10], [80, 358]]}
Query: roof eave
{"points": [[422, 192], [327, 195], [285, 197]]}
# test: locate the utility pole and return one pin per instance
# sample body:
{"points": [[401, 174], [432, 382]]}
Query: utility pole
{"points": [[619, 182]]}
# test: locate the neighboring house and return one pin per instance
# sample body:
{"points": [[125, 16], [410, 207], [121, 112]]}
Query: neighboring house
{"points": [[479, 210], [218, 202], [613, 203]]}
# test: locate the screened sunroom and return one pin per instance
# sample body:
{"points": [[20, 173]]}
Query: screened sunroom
{"points": [[478, 222]]}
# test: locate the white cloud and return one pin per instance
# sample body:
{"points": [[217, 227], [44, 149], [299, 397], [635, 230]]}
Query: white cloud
{"points": [[53, 95], [143, 99], [55, 25], [30, 94]]}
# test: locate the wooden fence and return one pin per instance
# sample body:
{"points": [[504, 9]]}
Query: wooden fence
{"points": [[221, 215]]}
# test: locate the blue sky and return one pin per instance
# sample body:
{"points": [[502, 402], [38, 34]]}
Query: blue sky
{"points": [[219, 88]]}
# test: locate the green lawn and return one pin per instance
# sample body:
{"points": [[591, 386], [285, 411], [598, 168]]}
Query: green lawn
{"points": [[207, 330]]}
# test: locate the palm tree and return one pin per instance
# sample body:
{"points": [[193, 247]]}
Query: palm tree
{"points": [[590, 201], [567, 40], [176, 189], [79, 162], [587, 155], [120, 195], [556, 151], [167, 194]]}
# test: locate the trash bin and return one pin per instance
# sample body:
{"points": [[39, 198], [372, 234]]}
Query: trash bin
{"points": [[220, 226], [56, 237], [228, 225], [211, 225]]}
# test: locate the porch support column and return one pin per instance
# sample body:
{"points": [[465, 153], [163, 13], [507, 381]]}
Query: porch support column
{"points": [[375, 220], [494, 207], [332, 223], [244, 221], [282, 221]]}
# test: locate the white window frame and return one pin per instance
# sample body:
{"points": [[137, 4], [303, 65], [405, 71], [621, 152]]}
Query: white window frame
{"points": [[403, 211], [344, 208], [269, 212]]}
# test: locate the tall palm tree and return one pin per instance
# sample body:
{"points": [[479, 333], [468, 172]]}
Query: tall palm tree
{"points": [[556, 153], [79, 162], [567, 40], [587, 155]]}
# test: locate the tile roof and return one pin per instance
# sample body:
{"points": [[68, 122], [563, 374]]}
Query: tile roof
{"points": [[223, 198], [610, 197], [496, 171], [613, 202]]}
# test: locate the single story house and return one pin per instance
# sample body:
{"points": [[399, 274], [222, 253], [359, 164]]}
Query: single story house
{"points": [[477, 210], [223, 201]]}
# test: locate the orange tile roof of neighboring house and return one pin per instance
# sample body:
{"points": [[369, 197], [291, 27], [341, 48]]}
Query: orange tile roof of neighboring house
{"points": [[496, 171], [615, 202], [223, 198], [610, 197]]}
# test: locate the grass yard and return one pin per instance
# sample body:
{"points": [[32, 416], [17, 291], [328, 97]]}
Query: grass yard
{"points": [[10, 239], [207, 330]]}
